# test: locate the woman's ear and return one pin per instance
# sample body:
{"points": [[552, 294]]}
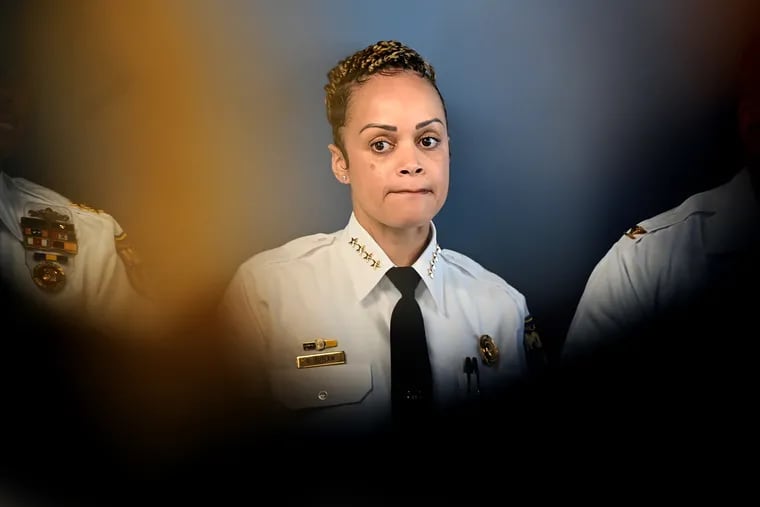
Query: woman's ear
{"points": [[339, 164]]}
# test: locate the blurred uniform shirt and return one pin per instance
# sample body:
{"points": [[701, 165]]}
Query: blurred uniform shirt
{"points": [[66, 258], [668, 263]]}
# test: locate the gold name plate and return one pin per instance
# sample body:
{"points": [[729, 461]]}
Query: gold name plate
{"points": [[324, 359]]}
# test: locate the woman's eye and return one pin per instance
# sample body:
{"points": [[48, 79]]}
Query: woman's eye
{"points": [[381, 146], [429, 142]]}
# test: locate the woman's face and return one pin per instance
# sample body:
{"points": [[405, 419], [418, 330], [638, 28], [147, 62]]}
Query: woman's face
{"points": [[397, 146]]}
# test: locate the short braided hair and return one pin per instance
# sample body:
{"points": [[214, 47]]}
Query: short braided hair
{"points": [[384, 57]]}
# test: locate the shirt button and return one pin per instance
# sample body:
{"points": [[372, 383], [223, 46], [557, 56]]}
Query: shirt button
{"points": [[322, 395]]}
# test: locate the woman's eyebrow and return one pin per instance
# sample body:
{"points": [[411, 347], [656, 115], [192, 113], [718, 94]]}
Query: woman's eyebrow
{"points": [[427, 122], [392, 128], [378, 126]]}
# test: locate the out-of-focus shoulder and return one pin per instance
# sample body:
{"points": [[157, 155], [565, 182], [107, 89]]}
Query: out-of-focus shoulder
{"points": [[291, 251]]}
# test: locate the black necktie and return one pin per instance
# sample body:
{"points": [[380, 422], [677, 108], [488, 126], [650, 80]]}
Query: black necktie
{"points": [[411, 375]]}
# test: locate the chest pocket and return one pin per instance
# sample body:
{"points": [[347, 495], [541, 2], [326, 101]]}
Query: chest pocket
{"points": [[324, 386]]}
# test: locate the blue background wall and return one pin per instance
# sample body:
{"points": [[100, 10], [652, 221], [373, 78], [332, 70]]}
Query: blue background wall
{"points": [[570, 122]]}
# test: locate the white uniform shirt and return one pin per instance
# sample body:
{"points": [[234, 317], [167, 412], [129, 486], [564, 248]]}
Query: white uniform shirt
{"points": [[97, 285], [332, 286], [662, 267]]}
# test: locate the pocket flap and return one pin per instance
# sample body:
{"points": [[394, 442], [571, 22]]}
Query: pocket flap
{"points": [[322, 387]]}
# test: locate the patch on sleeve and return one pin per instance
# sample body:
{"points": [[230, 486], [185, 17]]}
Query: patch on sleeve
{"points": [[635, 232], [132, 263], [534, 347]]}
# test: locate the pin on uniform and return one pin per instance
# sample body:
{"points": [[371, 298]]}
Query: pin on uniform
{"points": [[535, 353], [489, 352], [320, 344]]}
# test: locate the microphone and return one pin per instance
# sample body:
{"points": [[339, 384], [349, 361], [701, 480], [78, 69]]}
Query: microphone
{"points": [[468, 369], [474, 364]]}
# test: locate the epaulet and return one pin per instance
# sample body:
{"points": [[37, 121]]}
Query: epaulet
{"points": [[465, 263], [100, 214], [476, 271], [132, 261], [294, 249], [85, 207], [690, 207]]}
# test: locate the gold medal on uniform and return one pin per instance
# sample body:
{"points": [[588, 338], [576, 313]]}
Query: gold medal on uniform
{"points": [[49, 276], [489, 352], [50, 240]]}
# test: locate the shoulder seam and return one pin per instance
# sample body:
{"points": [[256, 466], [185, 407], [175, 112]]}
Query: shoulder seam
{"points": [[284, 253]]}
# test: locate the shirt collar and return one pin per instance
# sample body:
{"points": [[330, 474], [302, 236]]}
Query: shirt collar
{"points": [[429, 269], [367, 263]]}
